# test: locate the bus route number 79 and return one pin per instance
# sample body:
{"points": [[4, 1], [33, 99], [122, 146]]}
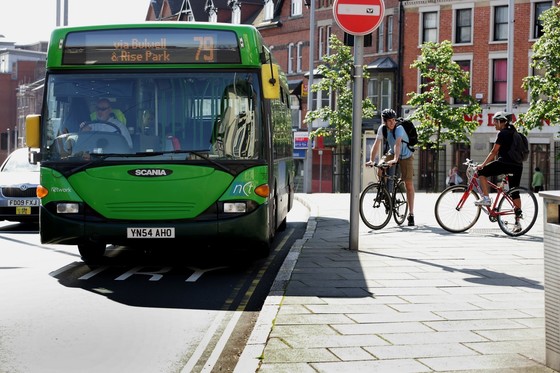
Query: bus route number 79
{"points": [[206, 46]]}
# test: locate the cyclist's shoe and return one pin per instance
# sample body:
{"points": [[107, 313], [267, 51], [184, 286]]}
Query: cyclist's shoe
{"points": [[517, 227], [484, 201], [410, 220]]}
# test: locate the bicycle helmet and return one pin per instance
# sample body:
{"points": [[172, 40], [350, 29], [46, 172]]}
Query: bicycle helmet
{"points": [[501, 116], [388, 114]]}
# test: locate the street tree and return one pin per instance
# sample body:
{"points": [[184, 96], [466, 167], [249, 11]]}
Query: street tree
{"points": [[544, 95], [444, 110], [336, 76]]}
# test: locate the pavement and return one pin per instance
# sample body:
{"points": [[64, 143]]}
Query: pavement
{"points": [[409, 299]]}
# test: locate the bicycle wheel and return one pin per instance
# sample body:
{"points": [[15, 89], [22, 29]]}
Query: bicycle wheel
{"points": [[506, 213], [375, 206], [400, 203], [455, 210]]}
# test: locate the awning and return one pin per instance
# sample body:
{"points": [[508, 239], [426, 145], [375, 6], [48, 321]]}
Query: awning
{"points": [[382, 63], [295, 86]]}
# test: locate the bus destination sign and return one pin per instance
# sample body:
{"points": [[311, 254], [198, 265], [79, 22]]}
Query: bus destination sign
{"points": [[151, 46]]}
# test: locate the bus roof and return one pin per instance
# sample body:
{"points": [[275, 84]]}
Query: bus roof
{"points": [[150, 44]]}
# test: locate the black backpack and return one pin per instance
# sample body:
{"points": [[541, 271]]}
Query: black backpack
{"points": [[410, 130], [519, 150]]}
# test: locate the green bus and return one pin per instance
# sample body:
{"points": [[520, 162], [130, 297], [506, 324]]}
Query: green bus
{"points": [[196, 150]]}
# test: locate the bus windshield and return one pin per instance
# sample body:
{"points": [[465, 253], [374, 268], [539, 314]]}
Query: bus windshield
{"points": [[153, 114]]}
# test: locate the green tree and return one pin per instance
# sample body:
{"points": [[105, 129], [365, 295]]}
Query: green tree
{"points": [[336, 78], [437, 120], [544, 95]]}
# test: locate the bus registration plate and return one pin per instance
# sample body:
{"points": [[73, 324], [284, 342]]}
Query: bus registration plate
{"points": [[150, 232]]}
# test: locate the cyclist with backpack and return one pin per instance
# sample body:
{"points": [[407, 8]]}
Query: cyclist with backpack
{"points": [[397, 151], [499, 161]]}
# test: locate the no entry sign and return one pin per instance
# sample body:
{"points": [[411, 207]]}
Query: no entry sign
{"points": [[358, 17]]}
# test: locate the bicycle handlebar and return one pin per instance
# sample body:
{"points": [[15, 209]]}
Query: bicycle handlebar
{"points": [[381, 165]]}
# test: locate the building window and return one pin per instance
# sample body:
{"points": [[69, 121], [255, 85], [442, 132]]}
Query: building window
{"points": [[389, 33], [539, 8], [499, 80], [321, 99], [380, 37], [268, 10], [463, 26], [386, 93], [500, 23], [465, 65], [373, 92], [324, 44], [425, 84], [380, 93], [291, 58], [296, 7], [429, 27], [328, 35], [299, 56]]}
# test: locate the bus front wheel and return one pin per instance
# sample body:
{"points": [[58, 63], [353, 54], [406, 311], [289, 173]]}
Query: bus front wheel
{"points": [[91, 252]]}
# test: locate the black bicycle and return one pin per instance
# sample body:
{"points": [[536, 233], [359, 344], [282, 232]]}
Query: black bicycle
{"points": [[378, 204]]}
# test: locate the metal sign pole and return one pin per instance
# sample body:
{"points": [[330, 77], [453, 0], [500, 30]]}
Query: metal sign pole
{"points": [[356, 142], [359, 18]]}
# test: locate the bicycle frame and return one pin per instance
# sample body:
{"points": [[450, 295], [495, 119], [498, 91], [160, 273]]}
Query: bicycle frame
{"points": [[491, 210], [378, 203], [515, 210]]}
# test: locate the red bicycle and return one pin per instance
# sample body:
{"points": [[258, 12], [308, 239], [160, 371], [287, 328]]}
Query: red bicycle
{"points": [[456, 212]]}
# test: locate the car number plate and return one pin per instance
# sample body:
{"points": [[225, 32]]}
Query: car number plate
{"points": [[150, 232], [23, 210], [23, 202]]}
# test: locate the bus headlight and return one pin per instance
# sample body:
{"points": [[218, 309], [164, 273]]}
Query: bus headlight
{"points": [[67, 208], [235, 207]]}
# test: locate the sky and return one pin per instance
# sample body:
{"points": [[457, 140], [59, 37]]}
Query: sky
{"points": [[29, 21]]}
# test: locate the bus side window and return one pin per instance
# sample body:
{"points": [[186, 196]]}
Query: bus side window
{"points": [[238, 135], [220, 128], [243, 138]]}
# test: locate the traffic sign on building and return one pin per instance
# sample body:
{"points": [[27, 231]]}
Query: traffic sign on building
{"points": [[358, 17]]}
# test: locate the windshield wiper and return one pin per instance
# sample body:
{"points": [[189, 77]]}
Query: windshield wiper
{"points": [[200, 154], [99, 157]]}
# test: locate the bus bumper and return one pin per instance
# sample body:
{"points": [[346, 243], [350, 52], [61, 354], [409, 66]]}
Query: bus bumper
{"points": [[56, 229]]}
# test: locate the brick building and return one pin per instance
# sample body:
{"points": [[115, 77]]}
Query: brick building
{"points": [[479, 33], [20, 65]]}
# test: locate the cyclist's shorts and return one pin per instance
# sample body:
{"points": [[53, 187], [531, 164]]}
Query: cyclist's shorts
{"points": [[497, 167], [407, 168]]}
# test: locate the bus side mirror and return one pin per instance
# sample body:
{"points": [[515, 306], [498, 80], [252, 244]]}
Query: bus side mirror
{"points": [[32, 134], [270, 81]]}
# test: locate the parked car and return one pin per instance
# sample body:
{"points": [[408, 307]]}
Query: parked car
{"points": [[18, 188]]}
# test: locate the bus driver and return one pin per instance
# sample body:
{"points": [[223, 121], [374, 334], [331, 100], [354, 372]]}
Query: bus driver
{"points": [[105, 114]]}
